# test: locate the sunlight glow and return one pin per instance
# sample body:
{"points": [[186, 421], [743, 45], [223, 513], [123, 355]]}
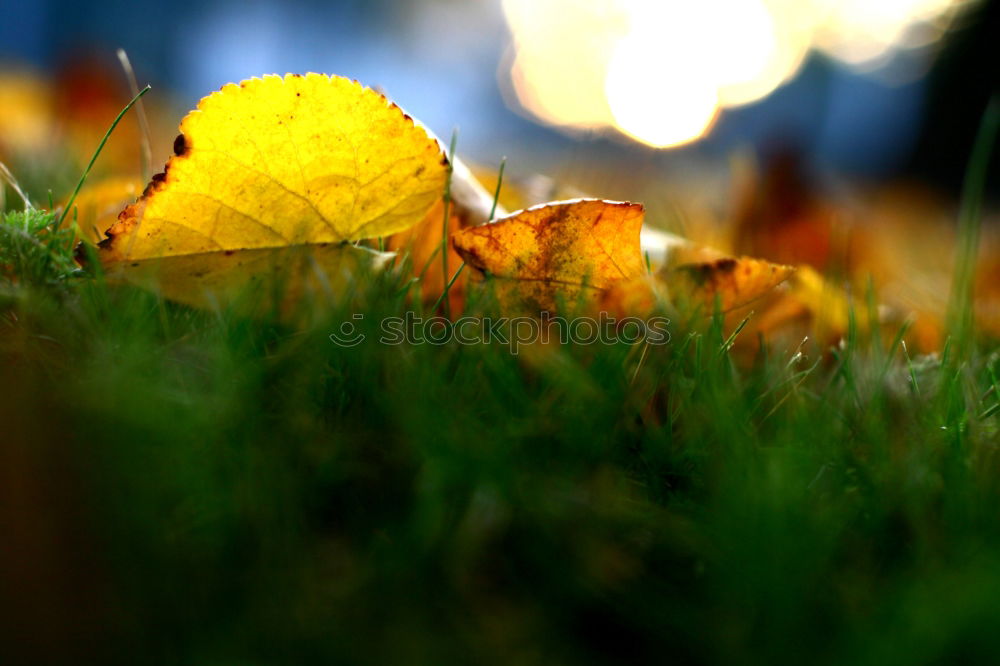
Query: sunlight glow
{"points": [[562, 53], [641, 83], [863, 33], [661, 70]]}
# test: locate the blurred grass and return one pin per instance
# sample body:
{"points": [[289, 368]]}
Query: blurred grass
{"points": [[185, 486]]}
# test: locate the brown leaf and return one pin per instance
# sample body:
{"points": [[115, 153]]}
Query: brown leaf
{"points": [[557, 251], [732, 282]]}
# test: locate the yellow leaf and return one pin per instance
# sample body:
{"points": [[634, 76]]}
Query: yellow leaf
{"points": [[587, 242], [732, 282], [563, 248], [557, 250], [256, 281], [97, 205], [275, 162], [821, 308]]}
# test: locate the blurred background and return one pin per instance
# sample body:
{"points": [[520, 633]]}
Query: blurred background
{"points": [[870, 90], [831, 134]]}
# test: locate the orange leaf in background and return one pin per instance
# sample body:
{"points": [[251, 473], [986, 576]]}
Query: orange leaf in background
{"points": [[730, 282], [53, 126], [781, 216], [811, 306], [89, 91], [26, 113], [557, 250]]}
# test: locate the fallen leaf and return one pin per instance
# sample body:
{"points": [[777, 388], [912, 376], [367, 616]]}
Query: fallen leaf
{"points": [[697, 287], [273, 163], [811, 306], [557, 251], [256, 281], [730, 282]]}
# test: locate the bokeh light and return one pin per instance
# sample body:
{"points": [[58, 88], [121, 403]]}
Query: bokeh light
{"points": [[641, 84], [865, 34], [563, 48], [660, 71]]}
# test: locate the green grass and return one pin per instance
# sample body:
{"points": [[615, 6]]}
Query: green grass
{"points": [[194, 486], [34, 251], [199, 487]]}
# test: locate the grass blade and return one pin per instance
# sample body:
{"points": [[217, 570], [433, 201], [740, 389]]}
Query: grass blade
{"points": [[960, 306], [496, 194], [100, 147], [447, 214], [140, 112]]}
